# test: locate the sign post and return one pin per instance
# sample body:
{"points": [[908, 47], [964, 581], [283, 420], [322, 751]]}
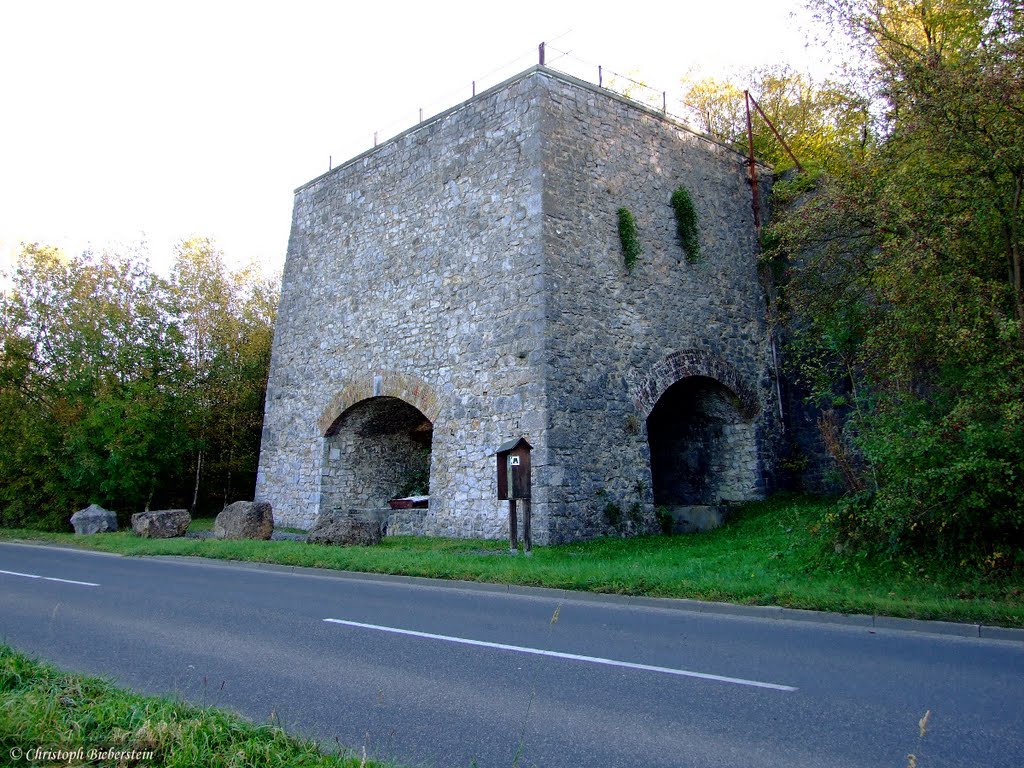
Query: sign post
{"points": [[513, 466]]}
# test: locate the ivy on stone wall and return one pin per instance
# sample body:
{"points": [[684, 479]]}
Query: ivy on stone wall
{"points": [[631, 249], [686, 222]]}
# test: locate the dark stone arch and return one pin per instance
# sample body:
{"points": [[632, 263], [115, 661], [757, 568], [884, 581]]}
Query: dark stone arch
{"points": [[700, 418], [701, 446], [377, 449], [694, 362]]}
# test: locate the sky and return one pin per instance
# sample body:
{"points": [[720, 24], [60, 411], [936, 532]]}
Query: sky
{"points": [[153, 121]]}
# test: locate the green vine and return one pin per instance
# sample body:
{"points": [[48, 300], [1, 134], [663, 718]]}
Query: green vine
{"points": [[631, 249], [686, 222]]}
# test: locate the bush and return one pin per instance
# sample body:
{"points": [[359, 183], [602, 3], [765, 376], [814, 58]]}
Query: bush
{"points": [[631, 249], [686, 222]]}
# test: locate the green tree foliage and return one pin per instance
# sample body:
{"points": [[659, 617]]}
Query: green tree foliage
{"points": [[100, 391], [903, 282], [227, 321], [823, 123]]}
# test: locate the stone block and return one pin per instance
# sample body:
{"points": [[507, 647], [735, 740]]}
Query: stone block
{"points": [[94, 519], [161, 524], [411, 522], [691, 519], [346, 528], [245, 520]]}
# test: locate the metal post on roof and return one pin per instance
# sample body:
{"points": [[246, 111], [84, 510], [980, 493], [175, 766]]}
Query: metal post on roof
{"points": [[664, 102], [600, 77], [771, 125], [752, 167], [540, 50], [474, 87]]}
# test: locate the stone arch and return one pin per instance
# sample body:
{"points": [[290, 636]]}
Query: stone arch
{"points": [[377, 442], [694, 362], [701, 431], [404, 386]]}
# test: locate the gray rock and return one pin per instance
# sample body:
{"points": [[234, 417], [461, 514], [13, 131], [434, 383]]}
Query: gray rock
{"points": [[94, 519], [161, 523], [346, 529], [694, 518], [245, 520]]}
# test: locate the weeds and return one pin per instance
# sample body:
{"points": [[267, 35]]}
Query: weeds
{"points": [[48, 710], [521, 744], [922, 730]]}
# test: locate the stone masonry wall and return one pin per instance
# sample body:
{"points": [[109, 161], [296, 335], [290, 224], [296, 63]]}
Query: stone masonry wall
{"points": [[614, 333], [414, 271]]}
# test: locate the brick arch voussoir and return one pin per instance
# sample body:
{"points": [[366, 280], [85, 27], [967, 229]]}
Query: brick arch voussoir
{"points": [[405, 386], [694, 362]]}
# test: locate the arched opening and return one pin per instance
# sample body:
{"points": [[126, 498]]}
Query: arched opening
{"points": [[702, 448], [376, 450]]}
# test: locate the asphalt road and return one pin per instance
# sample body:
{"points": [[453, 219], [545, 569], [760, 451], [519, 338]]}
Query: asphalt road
{"points": [[442, 676]]}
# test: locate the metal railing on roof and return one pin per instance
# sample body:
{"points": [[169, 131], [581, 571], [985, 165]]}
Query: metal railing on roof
{"points": [[626, 85]]}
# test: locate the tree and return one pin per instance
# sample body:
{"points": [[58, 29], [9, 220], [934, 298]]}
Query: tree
{"points": [[903, 278], [114, 380], [227, 321], [717, 107], [823, 123], [950, 74], [88, 382]]}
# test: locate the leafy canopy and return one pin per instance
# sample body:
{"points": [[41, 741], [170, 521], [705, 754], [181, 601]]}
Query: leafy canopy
{"points": [[902, 279], [114, 382]]}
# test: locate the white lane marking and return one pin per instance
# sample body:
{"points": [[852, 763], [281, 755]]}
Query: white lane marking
{"points": [[50, 578], [571, 656]]}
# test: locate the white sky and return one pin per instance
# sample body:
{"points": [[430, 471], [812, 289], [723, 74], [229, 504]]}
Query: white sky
{"points": [[123, 121]]}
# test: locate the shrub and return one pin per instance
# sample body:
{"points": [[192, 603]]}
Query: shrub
{"points": [[631, 249], [686, 222]]}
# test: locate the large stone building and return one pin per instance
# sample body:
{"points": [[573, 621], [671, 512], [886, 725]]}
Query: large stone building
{"points": [[464, 284]]}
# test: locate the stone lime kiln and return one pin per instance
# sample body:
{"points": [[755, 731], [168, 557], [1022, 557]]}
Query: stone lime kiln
{"points": [[464, 284]]}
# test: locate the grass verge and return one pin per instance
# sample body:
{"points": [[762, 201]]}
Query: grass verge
{"points": [[768, 554], [86, 721]]}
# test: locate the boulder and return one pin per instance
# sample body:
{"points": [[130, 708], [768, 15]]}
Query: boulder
{"points": [[245, 520], [94, 519], [346, 529], [161, 523], [695, 518]]}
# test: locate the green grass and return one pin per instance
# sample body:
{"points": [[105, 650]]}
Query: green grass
{"points": [[768, 554], [47, 709]]}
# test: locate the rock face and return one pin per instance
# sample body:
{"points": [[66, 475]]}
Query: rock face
{"points": [[245, 520], [94, 519], [346, 528], [161, 524]]}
